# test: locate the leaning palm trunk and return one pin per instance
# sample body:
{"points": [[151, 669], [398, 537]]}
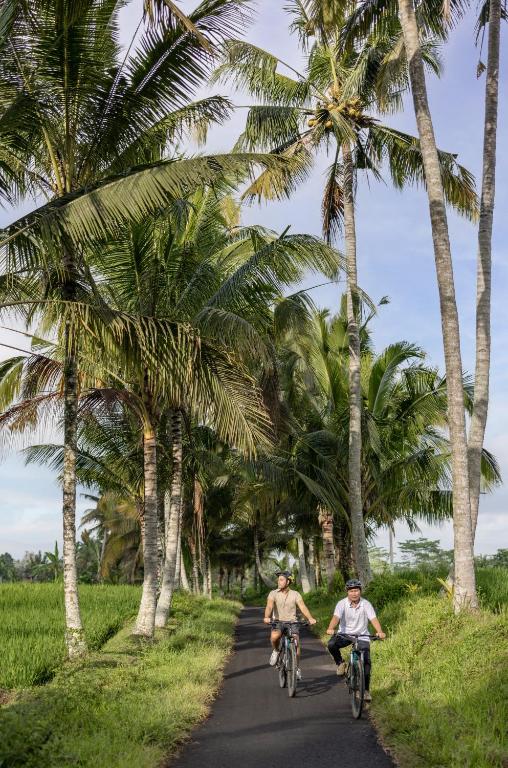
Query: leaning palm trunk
{"points": [[172, 514], [465, 586], [74, 635], [326, 523], [145, 621], [263, 576], [355, 391], [302, 565], [484, 268]]}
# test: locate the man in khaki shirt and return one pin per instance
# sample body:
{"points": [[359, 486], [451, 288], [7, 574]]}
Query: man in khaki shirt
{"points": [[281, 605]]}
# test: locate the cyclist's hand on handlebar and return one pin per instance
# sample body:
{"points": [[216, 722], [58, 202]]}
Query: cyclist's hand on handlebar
{"points": [[330, 631], [381, 635], [267, 620], [312, 621]]}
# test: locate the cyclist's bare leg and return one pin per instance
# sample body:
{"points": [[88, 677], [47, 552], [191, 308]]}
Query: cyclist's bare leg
{"points": [[275, 637]]}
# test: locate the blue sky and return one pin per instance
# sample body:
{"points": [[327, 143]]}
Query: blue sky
{"points": [[395, 258]]}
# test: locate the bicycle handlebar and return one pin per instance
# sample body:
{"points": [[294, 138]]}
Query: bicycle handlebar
{"points": [[279, 621], [372, 637]]}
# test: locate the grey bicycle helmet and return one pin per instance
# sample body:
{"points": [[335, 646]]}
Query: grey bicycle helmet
{"points": [[287, 574], [353, 584]]}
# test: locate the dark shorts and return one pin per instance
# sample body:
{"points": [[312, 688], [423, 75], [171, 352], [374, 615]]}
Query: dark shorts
{"points": [[294, 628]]}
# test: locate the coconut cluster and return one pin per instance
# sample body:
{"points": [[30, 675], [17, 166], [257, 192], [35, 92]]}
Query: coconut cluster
{"points": [[350, 109]]}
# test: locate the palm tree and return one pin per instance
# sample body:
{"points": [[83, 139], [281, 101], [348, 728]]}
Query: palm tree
{"points": [[80, 123], [198, 269], [336, 92], [465, 583], [202, 293], [405, 456], [484, 268]]}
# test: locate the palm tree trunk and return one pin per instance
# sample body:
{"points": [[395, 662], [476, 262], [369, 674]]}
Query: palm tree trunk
{"points": [[74, 636], [262, 575], [208, 577], [178, 569], [302, 565], [343, 542], [100, 575], [195, 566], [355, 388], [465, 584], [198, 533], [484, 267], [172, 514], [145, 622], [312, 563], [183, 575], [162, 523], [326, 523], [318, 568]]}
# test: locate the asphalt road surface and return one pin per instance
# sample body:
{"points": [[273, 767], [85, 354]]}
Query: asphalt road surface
{"points": [[254, 724]]}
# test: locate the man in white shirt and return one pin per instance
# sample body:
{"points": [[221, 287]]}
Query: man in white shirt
{"points": [[354, 614]]}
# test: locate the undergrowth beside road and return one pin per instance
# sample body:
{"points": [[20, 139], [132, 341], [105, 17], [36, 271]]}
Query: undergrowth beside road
{"points": [[440, 681], [32, 626], [440, 685], [127, 705]]}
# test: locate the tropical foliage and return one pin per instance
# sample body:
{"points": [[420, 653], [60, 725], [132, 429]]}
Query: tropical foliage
{"points": [[220, 423]]}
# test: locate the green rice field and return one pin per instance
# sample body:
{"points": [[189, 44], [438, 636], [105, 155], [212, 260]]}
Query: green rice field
{"points": [[32, 626]]}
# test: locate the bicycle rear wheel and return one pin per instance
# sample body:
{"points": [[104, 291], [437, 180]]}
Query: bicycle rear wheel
{"points": [[357, 687], [292, 665]]}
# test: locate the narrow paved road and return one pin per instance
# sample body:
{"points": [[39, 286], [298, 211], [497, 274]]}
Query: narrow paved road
{"points": [[254, 724]]}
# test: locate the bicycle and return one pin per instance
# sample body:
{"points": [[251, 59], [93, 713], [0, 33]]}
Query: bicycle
{"points": [[287, 660], [355, 674]]}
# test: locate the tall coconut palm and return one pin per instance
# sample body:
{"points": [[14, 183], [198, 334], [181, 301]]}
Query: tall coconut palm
{"points": [[465, 583], [79, 124], [405, 456], [335, 94], [197, 269], [484, 266]]}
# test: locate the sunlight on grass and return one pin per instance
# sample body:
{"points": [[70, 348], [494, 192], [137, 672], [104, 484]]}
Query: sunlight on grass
{"points": [[32, 626], [128, 704]]}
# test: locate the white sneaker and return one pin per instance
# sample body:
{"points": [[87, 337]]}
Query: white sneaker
{"points": [[298, 674], [273, 658]]}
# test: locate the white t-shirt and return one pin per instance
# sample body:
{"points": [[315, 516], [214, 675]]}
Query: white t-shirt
{"points": [[354, 619]]}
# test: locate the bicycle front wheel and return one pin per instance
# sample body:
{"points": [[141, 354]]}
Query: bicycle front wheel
{"points": [[292, 665], [282, 670], [357, 687]]}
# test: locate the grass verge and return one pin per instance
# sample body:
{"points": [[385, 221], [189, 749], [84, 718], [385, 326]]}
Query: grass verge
{"points": [[32, 626], [440, 686], [127, 705]]}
